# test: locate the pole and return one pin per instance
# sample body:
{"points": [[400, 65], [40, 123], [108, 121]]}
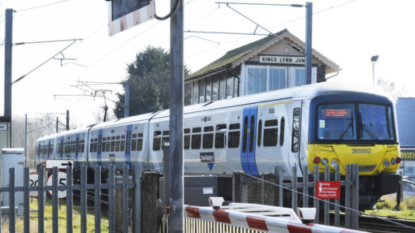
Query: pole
{"points": [[373, 74], [25, 140], [176, 120], [8, 45], [127, 99], [67, 119], [308, 40]]}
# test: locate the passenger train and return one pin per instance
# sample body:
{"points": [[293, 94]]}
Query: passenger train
{"points": [[318, 124]]}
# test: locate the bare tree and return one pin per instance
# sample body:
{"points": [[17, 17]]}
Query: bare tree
{"points": [[391, 88]]}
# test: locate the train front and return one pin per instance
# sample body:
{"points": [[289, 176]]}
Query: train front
{"points": [[356, 128]]}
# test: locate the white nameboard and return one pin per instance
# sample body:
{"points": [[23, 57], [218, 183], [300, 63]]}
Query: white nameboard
{"points": [[60, 163], [282, 60]]}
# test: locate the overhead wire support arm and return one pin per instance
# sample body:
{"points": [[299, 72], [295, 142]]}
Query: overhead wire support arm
{"points": [[260, 4], [46, 41], [270, 33], [22, 77], [229, 33]]}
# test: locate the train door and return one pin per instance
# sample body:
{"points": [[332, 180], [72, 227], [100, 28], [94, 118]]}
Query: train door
{"points": [[99, 148], [249, 123], [296, 136], [128, 146]]}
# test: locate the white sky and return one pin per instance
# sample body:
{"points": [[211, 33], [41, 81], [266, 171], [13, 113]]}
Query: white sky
{"points": [[345, 31]]}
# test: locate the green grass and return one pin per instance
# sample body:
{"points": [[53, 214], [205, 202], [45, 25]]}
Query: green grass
{"points": [[62, 219], [389, 208]]}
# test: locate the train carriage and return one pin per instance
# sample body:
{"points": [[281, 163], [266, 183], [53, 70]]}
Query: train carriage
{"points": [[318, 124]]}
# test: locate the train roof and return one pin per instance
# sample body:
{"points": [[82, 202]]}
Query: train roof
{"points": [[295, 93], [64, 133]]}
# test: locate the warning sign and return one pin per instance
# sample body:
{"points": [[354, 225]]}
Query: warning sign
{"points": [[328, 189]]}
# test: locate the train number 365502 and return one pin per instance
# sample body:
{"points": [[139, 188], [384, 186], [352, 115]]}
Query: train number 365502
{"points": [[361, 151]]}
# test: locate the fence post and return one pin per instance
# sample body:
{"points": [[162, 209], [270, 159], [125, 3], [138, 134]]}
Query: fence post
{"points": [[137, 211], [268, 190], [149, 202], [337, 201], [97, 197], [316, 201], [347, 196], [125, 214], [279, 189], [326, 201], [294, 190], [69, 199], [41, 200], [355, 196], [55, 201], [237, 186], [111, 202], [83, 198], [12, 200], [26, 200], [305, 186]]}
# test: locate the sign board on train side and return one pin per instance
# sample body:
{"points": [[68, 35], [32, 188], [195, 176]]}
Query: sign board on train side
{"points": [[328, 189], [125, 14]]}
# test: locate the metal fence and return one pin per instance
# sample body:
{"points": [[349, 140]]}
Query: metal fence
{"points": [[124, 187], [269, 190]]}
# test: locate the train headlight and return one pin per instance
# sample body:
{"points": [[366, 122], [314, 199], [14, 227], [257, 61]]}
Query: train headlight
{"points": [[325, 161], [393, 161], [386, 163], [333, 163]]}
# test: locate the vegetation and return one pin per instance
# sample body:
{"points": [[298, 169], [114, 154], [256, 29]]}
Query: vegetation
{"points": [[389, 208], [62, 219], [149, 77]]}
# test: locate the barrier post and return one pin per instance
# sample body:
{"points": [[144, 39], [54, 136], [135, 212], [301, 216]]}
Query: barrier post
{"points": [[337, 201], [347, 196], [316, 201], [326, 203]]}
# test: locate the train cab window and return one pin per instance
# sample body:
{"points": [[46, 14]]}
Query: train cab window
{"points": [[220, 136], [282, 131], [259, 133], [271, 133], [186, 139], [140, 142], [196, 137], [208, 137], [234, 135], [295, 146], [157, 140]]}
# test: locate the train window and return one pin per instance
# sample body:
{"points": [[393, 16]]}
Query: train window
{"points": [[245, 134], [140, 144], [220, 136], [271, 133], [282, 131], [122, 146], [117, 137], [113, 138], [134, 145], [233, 140], [187, 130], [140, 135], [103, 146], [134, 135], [252, 135], [104, 138], [260, 132], [122, 136], [166, 140], [156, 143], [112, 146], [107, 147], [221, 126], [234, 126], [117, 145], [296, 130], [186, 142], [157, 133], [197, 130], [166, 132], [196, 141], [108, 138], [208, 137], [95, 147]]}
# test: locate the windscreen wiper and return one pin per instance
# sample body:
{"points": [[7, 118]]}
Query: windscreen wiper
{"points": [[348, 127]]}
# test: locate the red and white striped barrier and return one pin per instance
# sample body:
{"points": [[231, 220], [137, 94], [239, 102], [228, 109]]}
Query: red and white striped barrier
{"points": [[259, 217]]}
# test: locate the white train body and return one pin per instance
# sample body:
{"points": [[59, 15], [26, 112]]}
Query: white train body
{"points": [[219, 137]]}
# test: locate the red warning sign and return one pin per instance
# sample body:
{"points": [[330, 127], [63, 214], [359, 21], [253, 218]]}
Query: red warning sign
{"points": [[328, 189]]}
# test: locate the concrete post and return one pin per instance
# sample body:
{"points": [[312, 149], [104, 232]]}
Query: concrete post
{"points": [[149, 201]]}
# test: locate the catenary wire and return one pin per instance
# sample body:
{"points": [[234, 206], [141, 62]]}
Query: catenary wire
{"points": [[42, 6]]}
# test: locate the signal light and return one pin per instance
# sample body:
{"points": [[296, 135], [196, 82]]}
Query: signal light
{"points": [[398, 159], [317, 160]]}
